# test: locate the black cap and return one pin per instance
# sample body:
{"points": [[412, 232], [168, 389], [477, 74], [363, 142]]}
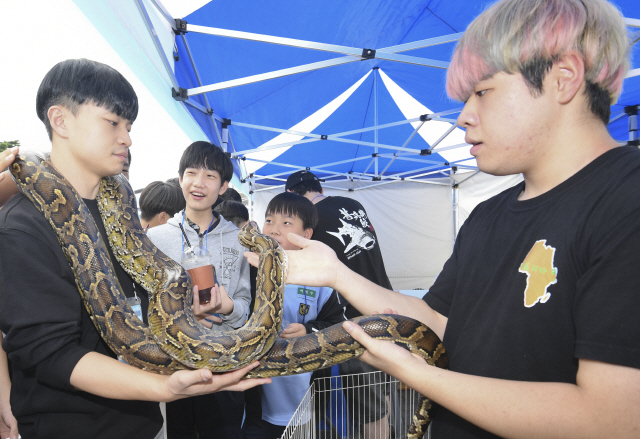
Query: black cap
{"points": [[299, 177]]}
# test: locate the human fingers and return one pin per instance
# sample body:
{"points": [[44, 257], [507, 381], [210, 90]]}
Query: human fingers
{"points": [[198, 382], [371, 354], [294, 330], [389, 311], [197, 310], [211, 318], [206, 322], [201, 310], [381, 354], [298, 241], [235, 381], [216, 297], [252, 258], [7, 156], [316, 264]]}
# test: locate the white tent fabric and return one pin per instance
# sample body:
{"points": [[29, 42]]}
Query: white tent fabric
{"points": [[414, 221]]}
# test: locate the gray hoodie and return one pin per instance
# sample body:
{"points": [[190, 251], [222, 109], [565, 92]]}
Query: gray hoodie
{"points": [[232, 268]]}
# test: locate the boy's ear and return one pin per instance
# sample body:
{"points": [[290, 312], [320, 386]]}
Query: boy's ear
{"points": [[58, 115], [308, 233], [569, 76], [163, 217], [223, 188]]}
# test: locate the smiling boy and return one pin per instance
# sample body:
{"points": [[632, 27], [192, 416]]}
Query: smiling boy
{"points": [[204, 173], [66, 380], [538, 305], [306, 310]]}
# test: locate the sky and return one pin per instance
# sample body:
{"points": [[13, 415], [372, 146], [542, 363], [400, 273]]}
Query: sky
{"points": [[42, 33]]}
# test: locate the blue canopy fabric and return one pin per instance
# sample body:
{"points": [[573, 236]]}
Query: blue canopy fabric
{"points": [[286, 101], [350, 97]]}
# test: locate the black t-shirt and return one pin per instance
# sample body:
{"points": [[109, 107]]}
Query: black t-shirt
{"points": [[49, 331], [533, 286], [344, 226]]}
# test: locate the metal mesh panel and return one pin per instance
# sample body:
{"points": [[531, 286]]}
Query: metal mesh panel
{"points": [[370, 405]]}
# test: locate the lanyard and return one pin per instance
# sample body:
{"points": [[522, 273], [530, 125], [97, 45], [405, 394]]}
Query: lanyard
{"points": [[304, 291], [206, 233]]}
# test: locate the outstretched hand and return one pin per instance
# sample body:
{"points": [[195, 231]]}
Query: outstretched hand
{"points": [[315, 264], [185, 383], [381, 354]]}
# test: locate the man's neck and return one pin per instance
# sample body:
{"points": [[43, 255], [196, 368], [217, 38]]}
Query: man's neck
{"points": [[83, 181], [571, 153], [314, 197], [203, 218]]}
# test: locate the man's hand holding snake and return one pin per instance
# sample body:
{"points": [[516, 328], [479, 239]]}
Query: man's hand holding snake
{"points": [[184, 383]]}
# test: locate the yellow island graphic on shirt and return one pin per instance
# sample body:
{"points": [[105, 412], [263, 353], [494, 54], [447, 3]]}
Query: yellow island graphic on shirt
{"points": [[538, 266]]}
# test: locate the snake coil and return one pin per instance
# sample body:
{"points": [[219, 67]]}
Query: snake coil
{"points": [[174, 339]]}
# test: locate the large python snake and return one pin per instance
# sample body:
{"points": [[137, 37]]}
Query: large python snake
{"points": [[174, 339]]}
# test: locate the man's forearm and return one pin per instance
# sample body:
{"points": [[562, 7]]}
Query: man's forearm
{"points": [[604, 405], [369, 298], [107, 377]]}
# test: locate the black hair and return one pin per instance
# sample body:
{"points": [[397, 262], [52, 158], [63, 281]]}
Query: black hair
{"points": [[75, 82], [233, 211], [231, 194], [535, 70], [306, 186], [292, 204], [159, 197], [174, 181], [206, 155]]}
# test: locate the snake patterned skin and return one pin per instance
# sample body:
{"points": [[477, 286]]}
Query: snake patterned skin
{"points": [[174, 339]]}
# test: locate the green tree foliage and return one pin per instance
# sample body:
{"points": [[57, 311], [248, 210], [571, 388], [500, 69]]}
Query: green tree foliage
{"points": [[9, 144]]}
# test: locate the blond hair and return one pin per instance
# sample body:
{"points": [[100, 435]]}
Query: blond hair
{"points": [[528, 36]]}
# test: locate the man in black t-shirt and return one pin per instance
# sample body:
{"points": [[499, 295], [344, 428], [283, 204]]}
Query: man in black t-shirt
{"points": [[343, 225], [538, 305]]}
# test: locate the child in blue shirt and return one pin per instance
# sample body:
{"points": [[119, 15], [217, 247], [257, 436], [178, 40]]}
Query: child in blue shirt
{"points": [[306, 310]]}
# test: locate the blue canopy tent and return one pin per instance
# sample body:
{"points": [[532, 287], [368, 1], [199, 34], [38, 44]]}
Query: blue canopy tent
{"points": [[352, 90], [279, 64]]}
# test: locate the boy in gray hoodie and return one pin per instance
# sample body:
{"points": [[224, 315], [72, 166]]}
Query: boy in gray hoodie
{"points": [[204, 174]]}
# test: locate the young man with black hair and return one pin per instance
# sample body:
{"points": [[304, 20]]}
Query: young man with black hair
{"points": [[204, 173], [158, 202], [538, 305], [233, 211], [66, 380], [343, 225]]}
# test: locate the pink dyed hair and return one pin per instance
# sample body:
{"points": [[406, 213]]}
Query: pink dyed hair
{"points": [[512, 33]]}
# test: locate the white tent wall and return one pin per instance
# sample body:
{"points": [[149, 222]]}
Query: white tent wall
{"points": [[414, 221], [479, 187]]}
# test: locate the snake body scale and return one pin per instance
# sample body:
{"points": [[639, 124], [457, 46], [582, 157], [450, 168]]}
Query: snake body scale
{"points": [[174, 339]]}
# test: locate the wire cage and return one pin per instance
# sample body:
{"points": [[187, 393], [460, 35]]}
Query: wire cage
{"points": [[370, 405]]}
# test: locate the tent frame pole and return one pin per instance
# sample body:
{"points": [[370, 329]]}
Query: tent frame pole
{"points": [[353, 54]]}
